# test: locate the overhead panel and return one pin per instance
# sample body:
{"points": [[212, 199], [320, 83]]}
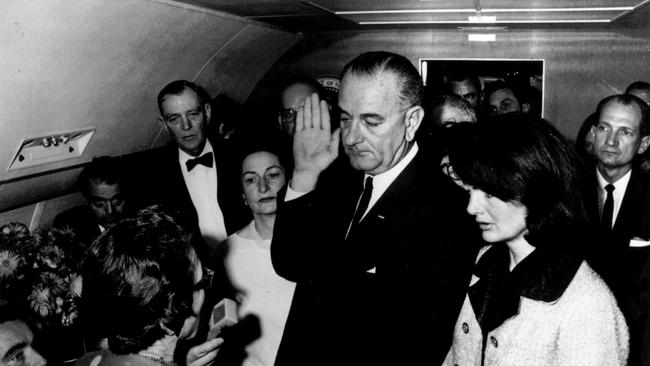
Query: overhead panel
{"points": [[432, 12]]}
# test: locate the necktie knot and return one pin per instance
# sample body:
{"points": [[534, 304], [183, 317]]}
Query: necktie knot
{"points": [[609, 188], [205, 160]]}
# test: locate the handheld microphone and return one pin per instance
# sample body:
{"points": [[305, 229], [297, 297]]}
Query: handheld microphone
{"points": [[224, 314]]}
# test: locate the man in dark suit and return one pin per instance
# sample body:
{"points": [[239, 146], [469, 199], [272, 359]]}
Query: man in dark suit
{"points": [[378, 250], [193, 176], [620, 204], [102, 184]]}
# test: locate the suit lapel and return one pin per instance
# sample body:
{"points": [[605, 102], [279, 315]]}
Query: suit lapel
{"points": [[630, 206]]}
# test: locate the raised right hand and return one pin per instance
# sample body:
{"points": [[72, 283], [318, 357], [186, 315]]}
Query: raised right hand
{"points": [[315, 147]]}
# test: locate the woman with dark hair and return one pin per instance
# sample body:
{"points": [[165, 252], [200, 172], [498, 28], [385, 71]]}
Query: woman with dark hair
{"points": [[248, 256], [143, 289], [532, 299]]}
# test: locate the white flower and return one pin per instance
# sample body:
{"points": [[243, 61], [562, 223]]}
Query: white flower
{"points": [[8, 263], [39, 301]]}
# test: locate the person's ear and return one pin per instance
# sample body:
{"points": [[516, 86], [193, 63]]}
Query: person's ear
{"points": [[207, 108], [413, 120], [243, 196], [645, 142], [525, 107]]}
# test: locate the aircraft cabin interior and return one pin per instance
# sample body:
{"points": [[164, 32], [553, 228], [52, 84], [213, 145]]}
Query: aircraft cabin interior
{"points": [[80, 77]]}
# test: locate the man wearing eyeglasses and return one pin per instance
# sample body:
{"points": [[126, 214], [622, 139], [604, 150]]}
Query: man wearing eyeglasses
{"points": [[292, 95], [102, 184]]}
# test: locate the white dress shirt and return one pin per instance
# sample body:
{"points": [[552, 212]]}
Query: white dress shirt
{"points": [[201, 183], [619, 192], [380, 182]]}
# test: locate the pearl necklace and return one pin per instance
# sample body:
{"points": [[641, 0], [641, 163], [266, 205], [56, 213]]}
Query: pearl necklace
{"points": [[156, 359], [253, 232]]}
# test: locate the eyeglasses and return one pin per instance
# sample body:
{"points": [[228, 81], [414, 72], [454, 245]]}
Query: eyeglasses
{"points": [[288, 115], [448, 169], [205, 282]]}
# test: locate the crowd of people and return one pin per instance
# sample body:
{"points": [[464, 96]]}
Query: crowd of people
{"points": [[383, 226]]}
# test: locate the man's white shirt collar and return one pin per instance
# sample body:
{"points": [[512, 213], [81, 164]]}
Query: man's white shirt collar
{"points": [[183, 157], [620, 186], [382, 181]]}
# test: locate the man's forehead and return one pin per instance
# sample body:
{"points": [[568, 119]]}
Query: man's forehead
{"points": [[171, 101], [463, 87], [378, 89], [99, 189], [502, 94], [11, 333], [616, 111]]}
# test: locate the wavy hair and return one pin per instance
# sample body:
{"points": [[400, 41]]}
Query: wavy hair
{"points": [[138, 279]]}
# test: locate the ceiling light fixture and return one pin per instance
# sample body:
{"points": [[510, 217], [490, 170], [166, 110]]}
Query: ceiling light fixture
{"points": [[504, 10], [550, 21]]}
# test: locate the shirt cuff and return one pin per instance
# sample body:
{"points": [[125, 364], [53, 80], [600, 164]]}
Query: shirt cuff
{"points": [[292, 195]]}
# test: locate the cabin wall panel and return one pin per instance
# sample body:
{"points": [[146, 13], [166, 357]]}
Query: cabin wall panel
{"points": [[70, 64], [582, 66]]}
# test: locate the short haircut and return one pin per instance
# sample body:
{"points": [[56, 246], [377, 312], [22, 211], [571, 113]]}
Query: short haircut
{"points": [[138, 276], [501, 84], [523, 158], [177, 87], [372, 63], [638, 85], [457, 102], [627, 100], [457, 77], [103, 169]]}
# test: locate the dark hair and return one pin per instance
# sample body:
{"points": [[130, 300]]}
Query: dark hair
{"points": [[457, 77], [265, 140], [523, 158], [637, 85], [372, 63], [103, 169], [454, 101], [137, 276], [501, 84], [177, 87], [627, 100]]}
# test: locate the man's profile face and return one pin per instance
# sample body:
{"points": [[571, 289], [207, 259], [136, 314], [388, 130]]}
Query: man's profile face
{"points": [[106, 202], [16, 345], [503, 101], [291, 98], [466, 90], [617, 135], [186, 120], [375, 128]]}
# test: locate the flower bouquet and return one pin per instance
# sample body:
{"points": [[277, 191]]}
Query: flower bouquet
{"points": [[39, 273]]}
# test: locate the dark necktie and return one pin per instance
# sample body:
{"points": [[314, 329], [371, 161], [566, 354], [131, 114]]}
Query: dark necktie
{"points": [[205, 159], [363, 204], [608, 209]]}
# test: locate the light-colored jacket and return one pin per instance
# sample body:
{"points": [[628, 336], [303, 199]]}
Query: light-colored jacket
{"points": [[584, 326]]}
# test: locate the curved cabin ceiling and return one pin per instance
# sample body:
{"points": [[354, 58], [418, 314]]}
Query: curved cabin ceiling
{"points": [[99, 64], [71, 65]]}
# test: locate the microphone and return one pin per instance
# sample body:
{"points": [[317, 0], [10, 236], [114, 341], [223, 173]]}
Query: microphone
{"points": [[224, 314]]}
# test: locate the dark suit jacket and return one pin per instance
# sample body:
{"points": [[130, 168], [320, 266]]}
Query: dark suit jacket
{"points": [[417, 240], [626, 269], [158, 179], [163, 183]]}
